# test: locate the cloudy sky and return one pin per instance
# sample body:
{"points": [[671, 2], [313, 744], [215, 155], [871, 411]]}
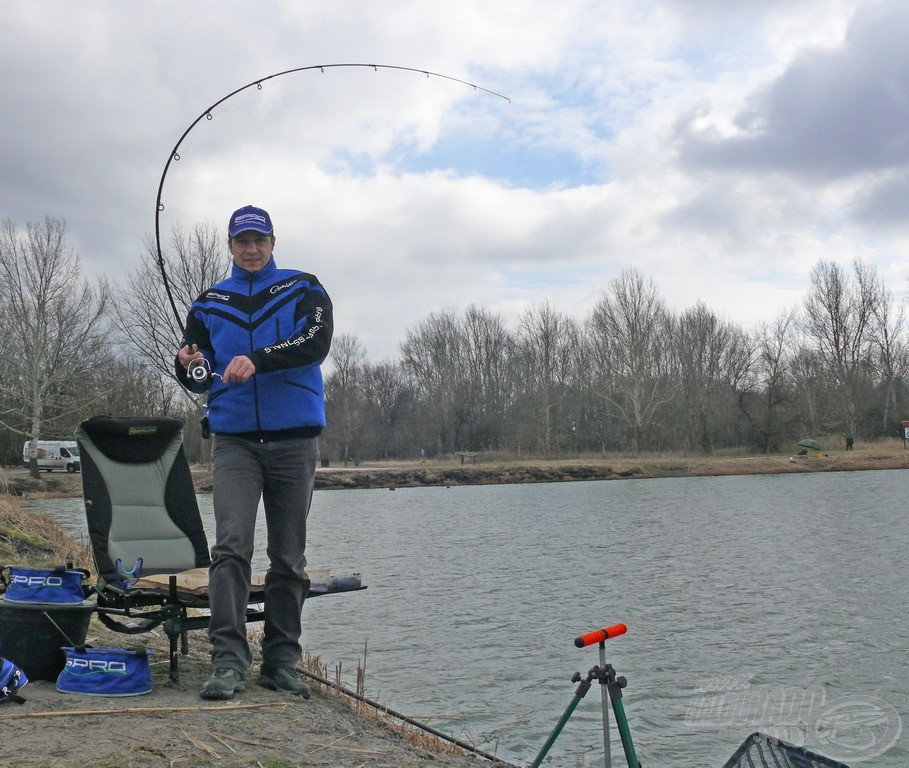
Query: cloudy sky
{"points": [[722, 148]]}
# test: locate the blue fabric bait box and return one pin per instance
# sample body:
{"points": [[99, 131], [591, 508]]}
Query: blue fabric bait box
{"points": [[52, 586], [105, 671]]}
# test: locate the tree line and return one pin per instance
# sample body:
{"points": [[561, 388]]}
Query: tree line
{"points": [[632, 375]]}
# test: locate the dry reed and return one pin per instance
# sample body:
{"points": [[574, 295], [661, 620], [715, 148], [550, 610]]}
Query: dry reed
{"points": [[34, 539]]}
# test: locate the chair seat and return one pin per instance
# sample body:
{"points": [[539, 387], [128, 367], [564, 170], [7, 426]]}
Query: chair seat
{"points": [[195, 582], [192, 582]]}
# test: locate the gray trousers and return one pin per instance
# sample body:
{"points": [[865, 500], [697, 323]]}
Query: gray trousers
{"points": [[281, 473]]}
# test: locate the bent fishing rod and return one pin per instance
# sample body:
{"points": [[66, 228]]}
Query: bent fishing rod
{"points": [[207, 115]]}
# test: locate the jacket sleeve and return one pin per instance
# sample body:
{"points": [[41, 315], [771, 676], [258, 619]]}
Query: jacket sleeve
{"points": [[310, 340]]}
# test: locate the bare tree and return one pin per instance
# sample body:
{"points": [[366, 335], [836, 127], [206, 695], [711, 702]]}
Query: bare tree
{"points": [[770, 408], [714, 357], [432, 357], [891, 360], [143, 315], [388, 405], [344, 394], [548, 343], [145, 319], [54, 328], [810, 380], [837, 317], [629, 330], [488, 352], [134, 388]]}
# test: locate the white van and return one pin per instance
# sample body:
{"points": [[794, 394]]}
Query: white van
{"points": [[54, 454]]}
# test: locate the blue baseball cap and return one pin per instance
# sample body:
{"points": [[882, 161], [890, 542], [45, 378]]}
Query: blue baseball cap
{"points": [[249, 218]]}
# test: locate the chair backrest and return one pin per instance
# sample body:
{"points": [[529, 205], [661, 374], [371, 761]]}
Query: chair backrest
{"points": [[139, 496]]}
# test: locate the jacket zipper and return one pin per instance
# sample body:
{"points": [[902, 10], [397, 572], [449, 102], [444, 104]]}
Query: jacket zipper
{"points": [[249, 320]]}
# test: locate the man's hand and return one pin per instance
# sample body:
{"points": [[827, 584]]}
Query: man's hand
{"points": [[187, 354], [240, 369]]}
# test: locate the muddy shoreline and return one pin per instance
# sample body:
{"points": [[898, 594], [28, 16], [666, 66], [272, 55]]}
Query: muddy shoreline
{"points": [[480, 470]]}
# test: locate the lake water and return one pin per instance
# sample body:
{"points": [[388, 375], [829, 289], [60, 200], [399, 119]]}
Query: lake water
{"points": [[763, 603]]}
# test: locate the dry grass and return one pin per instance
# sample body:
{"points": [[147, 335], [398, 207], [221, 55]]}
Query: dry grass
{"points": [[414, 735], [32, 539]]}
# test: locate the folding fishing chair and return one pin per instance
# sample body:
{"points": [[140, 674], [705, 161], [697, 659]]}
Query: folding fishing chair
{"points": [[762, 751], [146, 532]]}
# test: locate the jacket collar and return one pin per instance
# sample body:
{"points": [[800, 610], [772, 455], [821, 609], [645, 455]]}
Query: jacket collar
{"points": [[238, 273]]}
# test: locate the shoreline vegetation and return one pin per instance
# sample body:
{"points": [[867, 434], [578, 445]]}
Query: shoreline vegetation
{"points": [[489, 469], [493, 468]]}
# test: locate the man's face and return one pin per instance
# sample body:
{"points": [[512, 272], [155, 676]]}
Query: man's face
{"points": [[251, 250]]}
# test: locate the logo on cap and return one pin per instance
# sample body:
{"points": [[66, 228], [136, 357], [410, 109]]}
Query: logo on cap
{"points": [[249, 218]]}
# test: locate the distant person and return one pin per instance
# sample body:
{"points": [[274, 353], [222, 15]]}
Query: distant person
{"points": [[849, 442], [263, 333]]}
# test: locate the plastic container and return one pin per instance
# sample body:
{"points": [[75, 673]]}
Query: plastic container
{"points": [[318, 577], [32, 635]]}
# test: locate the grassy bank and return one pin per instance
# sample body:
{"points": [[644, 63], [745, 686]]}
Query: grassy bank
{"points": [[30, 539], [491, 468], [496, 468]]}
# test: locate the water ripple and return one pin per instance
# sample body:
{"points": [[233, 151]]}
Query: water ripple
{"points": [[777, 585]]}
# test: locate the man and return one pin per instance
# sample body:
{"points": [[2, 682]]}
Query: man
{"points": [[262, 333]]}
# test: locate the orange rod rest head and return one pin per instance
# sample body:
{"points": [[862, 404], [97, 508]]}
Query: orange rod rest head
{"points": [[600, 635]]}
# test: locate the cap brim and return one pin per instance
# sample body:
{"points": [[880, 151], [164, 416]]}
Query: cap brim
{"points": [[235, 232]]}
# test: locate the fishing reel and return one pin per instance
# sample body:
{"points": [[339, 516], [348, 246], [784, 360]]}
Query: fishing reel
{"points": [[200, 371]]}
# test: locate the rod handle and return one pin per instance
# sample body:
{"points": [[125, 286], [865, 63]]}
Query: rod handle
{"points": [[600, 635]]}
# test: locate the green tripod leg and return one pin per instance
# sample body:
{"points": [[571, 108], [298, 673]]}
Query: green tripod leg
{"points": [[615, 695], [606, 675], [579, 694]]}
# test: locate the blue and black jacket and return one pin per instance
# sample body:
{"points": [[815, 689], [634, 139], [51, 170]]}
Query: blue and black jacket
{"points": [[282, 320]]}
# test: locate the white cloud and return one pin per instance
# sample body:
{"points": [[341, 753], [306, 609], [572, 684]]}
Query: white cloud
{"points": [[720, 148]]}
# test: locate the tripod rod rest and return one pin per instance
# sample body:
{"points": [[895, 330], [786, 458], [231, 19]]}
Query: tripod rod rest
{"points": [[605, 674], [584, 686]]}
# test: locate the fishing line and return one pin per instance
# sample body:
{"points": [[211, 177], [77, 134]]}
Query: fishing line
{"points": [[381, 708], [207, 115]]}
